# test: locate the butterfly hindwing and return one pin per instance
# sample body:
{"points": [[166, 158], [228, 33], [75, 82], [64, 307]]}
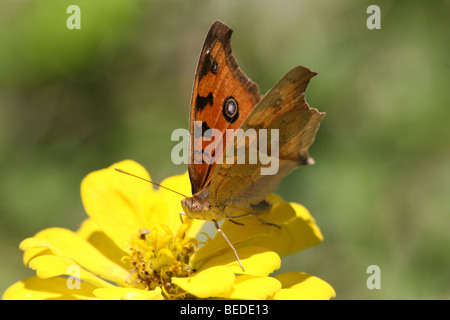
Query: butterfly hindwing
{"points": [[237, 186]]}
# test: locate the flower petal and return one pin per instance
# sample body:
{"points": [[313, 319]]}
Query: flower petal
{"points": [[301, 229], [236, 234], [181, 184], [117, 202], [65, 243], [117, 293], [256, 288], [211, 282], [49, 266], [297, 231], [302, 286], [35, 288], [90, 231], [257, 261]]}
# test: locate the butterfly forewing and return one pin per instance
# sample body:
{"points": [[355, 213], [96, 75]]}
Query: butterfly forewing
{"points": [[222, 98]]}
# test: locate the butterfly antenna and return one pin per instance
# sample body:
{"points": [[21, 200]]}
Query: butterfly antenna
{"points": [[156, 184]]}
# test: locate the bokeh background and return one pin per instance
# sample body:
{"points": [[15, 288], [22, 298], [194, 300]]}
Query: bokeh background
{"points": [[74, 101]]}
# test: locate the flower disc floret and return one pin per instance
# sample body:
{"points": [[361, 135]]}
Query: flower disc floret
{"points": [[156, 259]]}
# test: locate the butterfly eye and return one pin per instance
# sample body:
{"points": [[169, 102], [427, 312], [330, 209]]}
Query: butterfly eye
{"points": [[230, 109]]}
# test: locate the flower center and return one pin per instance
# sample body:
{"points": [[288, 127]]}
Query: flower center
{"points": [[155, 258]]}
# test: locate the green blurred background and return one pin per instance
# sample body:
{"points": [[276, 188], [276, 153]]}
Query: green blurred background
{"points": [[74, 101]]}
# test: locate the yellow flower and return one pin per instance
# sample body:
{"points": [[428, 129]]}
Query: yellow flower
{"points": [[134, 245]]}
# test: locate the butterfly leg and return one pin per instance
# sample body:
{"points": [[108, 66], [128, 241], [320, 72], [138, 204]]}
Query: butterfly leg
{"points": [[229, 243], [261, 207], [235, 222], [256, 216], [264, 221], [181, 216]]}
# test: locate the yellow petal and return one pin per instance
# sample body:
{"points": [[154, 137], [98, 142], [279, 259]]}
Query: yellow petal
{"points": [[181, 184], [212, 282], [49, 266], [298, 229], [87, 229], [90, 231], [304, 229], [302, 286], [33, 252], [68, 244], [236, 234], [117, 293], [56, 288], [120, 204], [257, 261], [254, 288]]}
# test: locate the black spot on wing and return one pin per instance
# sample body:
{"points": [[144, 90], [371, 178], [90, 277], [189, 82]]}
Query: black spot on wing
{"points": [[206, 66], [205, 132], [202, 102], [200, 132]]}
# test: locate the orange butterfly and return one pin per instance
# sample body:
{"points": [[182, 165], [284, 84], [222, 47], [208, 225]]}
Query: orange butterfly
{"points": [[224, 98]]}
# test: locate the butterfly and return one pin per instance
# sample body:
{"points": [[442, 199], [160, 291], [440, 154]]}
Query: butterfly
{"points": [[226, 100]]}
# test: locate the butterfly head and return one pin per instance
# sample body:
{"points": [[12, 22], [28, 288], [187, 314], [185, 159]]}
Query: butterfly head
{"points": [[196, 207]]}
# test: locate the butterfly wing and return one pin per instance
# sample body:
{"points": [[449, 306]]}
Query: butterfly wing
{"points": [[218, 84], [240, 186]]}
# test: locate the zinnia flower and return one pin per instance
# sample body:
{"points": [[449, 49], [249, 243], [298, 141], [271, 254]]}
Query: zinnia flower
{"points": [[135, 245]]}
